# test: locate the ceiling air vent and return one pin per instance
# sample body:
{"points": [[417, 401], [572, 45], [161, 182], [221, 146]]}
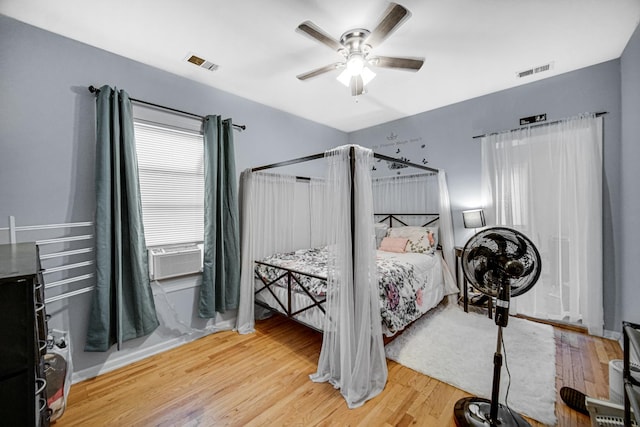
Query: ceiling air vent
{"points": [[202, 63], [535, 70]]}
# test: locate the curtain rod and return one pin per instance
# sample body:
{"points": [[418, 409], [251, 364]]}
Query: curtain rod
{"points": [[602, 113], [94, 89]]}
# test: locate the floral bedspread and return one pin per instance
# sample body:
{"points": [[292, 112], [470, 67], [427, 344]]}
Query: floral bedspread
{"points": [[409, 284], [401, 293], [310, 261]]}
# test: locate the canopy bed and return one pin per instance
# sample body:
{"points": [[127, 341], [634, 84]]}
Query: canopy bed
{"points": [[341, 283], [409, 282]]}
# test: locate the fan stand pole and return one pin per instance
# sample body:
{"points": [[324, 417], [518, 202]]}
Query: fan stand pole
{"points": [[495, 390], [480, 412]]}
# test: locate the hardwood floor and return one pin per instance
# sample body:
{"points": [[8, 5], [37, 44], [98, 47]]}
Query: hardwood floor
{"points": [[262, 379]]}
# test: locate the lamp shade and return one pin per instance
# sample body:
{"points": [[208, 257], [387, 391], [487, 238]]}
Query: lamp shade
{"points": [[473, 218], [345, 76]]}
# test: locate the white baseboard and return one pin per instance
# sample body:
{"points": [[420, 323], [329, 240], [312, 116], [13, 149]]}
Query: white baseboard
{"points": [[613, 335], [136, 355]]}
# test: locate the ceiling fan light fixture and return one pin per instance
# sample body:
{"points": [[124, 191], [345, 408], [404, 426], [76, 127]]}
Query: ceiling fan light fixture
{"points": [[345, 76], [367, 75], [355, 64]]}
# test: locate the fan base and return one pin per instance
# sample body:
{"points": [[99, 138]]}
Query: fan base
{"points": [[474, 411]]}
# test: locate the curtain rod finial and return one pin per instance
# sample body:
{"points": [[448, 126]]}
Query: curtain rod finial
{"points": [[93, 89]]}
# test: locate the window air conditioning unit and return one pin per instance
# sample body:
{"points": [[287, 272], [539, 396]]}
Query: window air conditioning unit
{"points": [[174, 261]]}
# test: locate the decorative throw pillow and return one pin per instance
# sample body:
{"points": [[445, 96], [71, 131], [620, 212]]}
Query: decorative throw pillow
{"points": [[393, 244], [419, 244], [422, 240]]}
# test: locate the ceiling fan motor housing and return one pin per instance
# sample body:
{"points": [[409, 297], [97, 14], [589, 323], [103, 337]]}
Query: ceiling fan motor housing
{"points": [[353, 40]]}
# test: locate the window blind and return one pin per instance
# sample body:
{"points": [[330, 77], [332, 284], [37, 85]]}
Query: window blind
{"points": [[171, 169]]}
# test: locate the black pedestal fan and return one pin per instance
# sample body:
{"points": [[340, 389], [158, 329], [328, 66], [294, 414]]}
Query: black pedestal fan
{"points": [[501, 263]]}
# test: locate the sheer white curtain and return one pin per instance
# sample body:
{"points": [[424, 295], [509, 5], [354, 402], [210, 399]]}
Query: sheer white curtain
{"points": [[352, 356], [267, 208], [547, 182]]}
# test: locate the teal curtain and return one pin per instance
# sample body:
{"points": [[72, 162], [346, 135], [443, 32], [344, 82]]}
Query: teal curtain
{"points": [[220, 288], [122, 307]]}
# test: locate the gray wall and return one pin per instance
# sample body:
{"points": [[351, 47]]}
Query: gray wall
{"points": [[628, 299], [447, 136], [47, 127]]}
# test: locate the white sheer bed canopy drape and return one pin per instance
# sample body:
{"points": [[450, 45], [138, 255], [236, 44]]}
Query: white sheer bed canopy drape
{"points": [[317, 207], [418, 193], [352, 356], [265, 228]]}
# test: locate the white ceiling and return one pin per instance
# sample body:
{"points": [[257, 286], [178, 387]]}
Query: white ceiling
{"points": [[471, 47]]}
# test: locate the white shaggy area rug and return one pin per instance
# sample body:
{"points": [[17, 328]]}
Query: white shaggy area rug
{"points": [[457, 348]]}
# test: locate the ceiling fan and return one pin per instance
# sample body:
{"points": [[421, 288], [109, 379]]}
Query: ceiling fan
{"points": [[356, 45]]}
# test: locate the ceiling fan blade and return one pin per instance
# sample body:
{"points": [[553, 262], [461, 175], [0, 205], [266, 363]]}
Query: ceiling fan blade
{"points": [[318, 71], [409, 64], [356, 85], [392, 18], [313, 31]]}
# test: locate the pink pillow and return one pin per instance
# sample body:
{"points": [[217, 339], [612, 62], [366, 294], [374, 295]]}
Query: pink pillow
{"points": [[393, 244]]}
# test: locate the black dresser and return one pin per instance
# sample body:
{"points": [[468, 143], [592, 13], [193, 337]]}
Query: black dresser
{"points": [[23, 334]]}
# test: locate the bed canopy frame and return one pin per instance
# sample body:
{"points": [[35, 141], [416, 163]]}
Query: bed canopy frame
{"points": [[352, 168], [357, 384]]}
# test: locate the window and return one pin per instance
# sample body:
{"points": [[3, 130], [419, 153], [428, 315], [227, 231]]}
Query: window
{"points": [[171, 169]]}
